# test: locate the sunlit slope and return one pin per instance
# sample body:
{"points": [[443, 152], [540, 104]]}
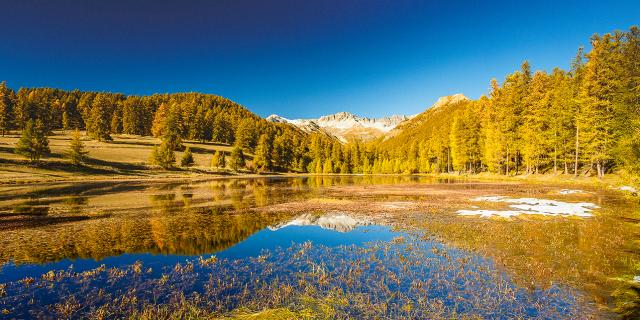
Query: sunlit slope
{"points": [[433, 122]]}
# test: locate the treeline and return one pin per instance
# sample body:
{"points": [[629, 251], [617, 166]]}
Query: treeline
{"points": [[582, 121]]}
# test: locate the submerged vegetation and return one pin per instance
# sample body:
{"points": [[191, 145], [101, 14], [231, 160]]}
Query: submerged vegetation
{"points": [[316, 247], [404, 278]]}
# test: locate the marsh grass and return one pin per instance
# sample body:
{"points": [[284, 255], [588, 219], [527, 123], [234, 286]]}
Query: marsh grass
{"points": [[404, 278]]}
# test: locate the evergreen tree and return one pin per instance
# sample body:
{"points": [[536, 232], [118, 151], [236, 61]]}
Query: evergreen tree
{"points": [[33, 142], [237, 161], [76, 153], [187, 158]]}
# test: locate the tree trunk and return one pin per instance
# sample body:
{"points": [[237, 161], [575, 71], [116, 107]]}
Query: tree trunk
{"points": [[600, 169], [506, 171], [555, 160], [575, 169]]}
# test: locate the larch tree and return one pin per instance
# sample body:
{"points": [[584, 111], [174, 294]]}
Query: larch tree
{"points": [[163, 156], [187, 158], [76, 152], [33, 142], [597, 109], [7, 100], [237, 160], [98, 126], [218, 160], [534, 133], [263, 155]]}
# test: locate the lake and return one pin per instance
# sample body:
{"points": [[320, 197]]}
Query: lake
{"points": [[320, 246]]}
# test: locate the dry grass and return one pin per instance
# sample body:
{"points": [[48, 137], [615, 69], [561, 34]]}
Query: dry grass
{"points": [[126, 157]]}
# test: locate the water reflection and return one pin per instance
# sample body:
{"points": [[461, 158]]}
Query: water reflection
{"points": [[161, 224], [337, 221]]}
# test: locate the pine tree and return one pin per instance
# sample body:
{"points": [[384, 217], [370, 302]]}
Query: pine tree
{"points": [[33, 142], [76, 153], [187, 158], [237, 161]]}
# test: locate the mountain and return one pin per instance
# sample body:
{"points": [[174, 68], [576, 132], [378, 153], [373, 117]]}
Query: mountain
{"points": [[345, 125], [437, 117], [452, 99], [336, 221]]}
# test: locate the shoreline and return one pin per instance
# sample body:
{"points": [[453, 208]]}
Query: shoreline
{"points": [[612, 181]]}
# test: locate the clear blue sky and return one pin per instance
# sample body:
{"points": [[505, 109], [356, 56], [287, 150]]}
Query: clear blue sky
{"points": [[296, 58]]}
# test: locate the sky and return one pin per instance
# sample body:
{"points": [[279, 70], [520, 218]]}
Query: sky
{"points": [[296, 58]]}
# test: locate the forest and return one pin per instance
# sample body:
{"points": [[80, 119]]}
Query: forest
{"points": [[581, 121]]}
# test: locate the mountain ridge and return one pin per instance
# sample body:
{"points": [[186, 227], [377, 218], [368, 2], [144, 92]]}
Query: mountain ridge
{"points": [[347, 126]]}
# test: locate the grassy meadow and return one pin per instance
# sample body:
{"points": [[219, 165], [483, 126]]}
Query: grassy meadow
{"points": [[127, 156]]}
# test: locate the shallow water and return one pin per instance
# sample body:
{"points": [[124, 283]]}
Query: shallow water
{"points": [[75, 250]]}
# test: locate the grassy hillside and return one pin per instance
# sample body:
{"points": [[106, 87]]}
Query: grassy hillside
{"points": [[125, 156]]}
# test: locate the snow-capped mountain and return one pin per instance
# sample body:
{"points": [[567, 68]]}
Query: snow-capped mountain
{"points": [[346, 125], [336, 221]]}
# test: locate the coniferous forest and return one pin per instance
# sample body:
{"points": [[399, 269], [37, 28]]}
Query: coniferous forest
{"points": [[581, 121]]}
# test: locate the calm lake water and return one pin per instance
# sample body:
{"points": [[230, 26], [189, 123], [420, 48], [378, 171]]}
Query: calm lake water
{"points": [[386, 247]]}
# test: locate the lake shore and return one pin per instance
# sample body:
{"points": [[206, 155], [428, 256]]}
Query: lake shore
{"points": [[611, 181]]}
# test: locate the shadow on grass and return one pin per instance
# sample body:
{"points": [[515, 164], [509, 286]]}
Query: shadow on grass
{"points": [[117, 165], [134, 143], [32, 222]]}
